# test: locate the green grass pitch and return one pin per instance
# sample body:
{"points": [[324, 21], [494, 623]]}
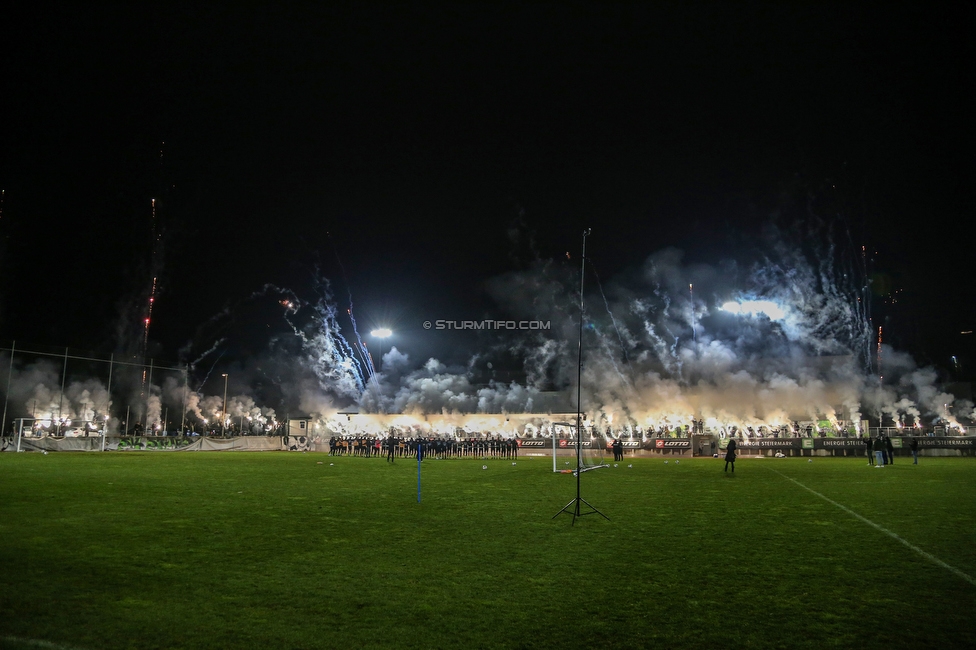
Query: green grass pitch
{"points": [[275, 550]]}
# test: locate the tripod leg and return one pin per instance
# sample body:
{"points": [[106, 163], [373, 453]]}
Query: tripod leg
{"points": [[595, 511], [566, 509]]}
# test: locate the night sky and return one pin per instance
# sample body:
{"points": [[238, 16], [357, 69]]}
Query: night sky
{"points": [[411, 154]]}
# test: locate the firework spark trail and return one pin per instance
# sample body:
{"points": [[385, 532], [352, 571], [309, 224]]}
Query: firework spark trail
{"points": [[845, 320], [667, 353], [213, 348], [864, 302], [364, 356], [880, 370], [853, 273], [367, 358], [329, 355], [148, 318], [153, 261], [210, 370], [288, 300], [606, 305]]}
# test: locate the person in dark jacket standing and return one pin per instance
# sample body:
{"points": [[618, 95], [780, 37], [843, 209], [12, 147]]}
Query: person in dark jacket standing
{"points": [[891, 450], [878, 454], [867, 441], [730, 455], [913, 445]]}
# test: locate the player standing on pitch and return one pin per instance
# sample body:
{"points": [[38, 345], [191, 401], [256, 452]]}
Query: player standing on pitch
{"points": [[730, 455]]}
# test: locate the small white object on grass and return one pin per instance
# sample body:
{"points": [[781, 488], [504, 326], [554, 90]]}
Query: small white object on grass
{"points": [[676, 462], [665, 462], [630, 466], [484, 467], [513, 464], [809, 460]]}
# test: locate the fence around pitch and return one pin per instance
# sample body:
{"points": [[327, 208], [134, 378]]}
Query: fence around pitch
{"points": [[703, 445], [927, 446], [684, 447], [159, 444]]}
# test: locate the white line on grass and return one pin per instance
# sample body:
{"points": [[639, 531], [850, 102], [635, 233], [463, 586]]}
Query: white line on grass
{"points": [[926, 555]]}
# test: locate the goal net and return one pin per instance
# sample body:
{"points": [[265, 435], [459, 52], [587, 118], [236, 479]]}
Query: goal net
{"points": [[592, 447]]}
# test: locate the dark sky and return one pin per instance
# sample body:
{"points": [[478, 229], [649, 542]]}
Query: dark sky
{"points": [[411, 140]]}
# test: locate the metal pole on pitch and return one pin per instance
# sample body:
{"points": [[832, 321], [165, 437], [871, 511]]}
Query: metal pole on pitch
{"points": [[579, 406], [108, 415], [183, 420], [553, 448], [6, 394], [145, 420], [223, 413], [64, 371]]}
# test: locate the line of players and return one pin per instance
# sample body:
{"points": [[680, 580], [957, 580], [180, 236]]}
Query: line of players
{"points": [[369, 446]]}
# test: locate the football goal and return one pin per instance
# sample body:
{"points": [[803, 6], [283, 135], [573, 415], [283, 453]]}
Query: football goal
{"points": [[565, 439]]}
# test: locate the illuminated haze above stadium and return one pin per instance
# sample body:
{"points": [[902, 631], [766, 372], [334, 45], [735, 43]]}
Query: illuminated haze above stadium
{"points": [[780, 339]]}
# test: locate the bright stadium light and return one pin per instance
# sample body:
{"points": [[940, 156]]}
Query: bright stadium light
{"points": [[754, 307], [382, 334]]}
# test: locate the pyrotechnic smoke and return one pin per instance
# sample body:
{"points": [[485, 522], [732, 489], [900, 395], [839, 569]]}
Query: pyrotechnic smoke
{"points": [[782, 338], [35, 392], [796, 347]]}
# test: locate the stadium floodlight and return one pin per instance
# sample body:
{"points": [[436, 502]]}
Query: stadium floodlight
{"points": [[767, 308], [382, 334]]}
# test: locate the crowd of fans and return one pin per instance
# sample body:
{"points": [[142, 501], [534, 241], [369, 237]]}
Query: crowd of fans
{"points": [[463, 441], [792, 430], [433, 447]]}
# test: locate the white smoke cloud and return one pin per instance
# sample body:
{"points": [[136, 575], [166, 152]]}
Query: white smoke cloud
{"points": [[660, 350]]}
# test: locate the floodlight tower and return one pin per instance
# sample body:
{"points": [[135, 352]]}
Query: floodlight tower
{"points": [[223, 413]]}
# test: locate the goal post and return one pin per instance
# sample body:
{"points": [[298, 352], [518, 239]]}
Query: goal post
{"points": [[592, 449]]}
